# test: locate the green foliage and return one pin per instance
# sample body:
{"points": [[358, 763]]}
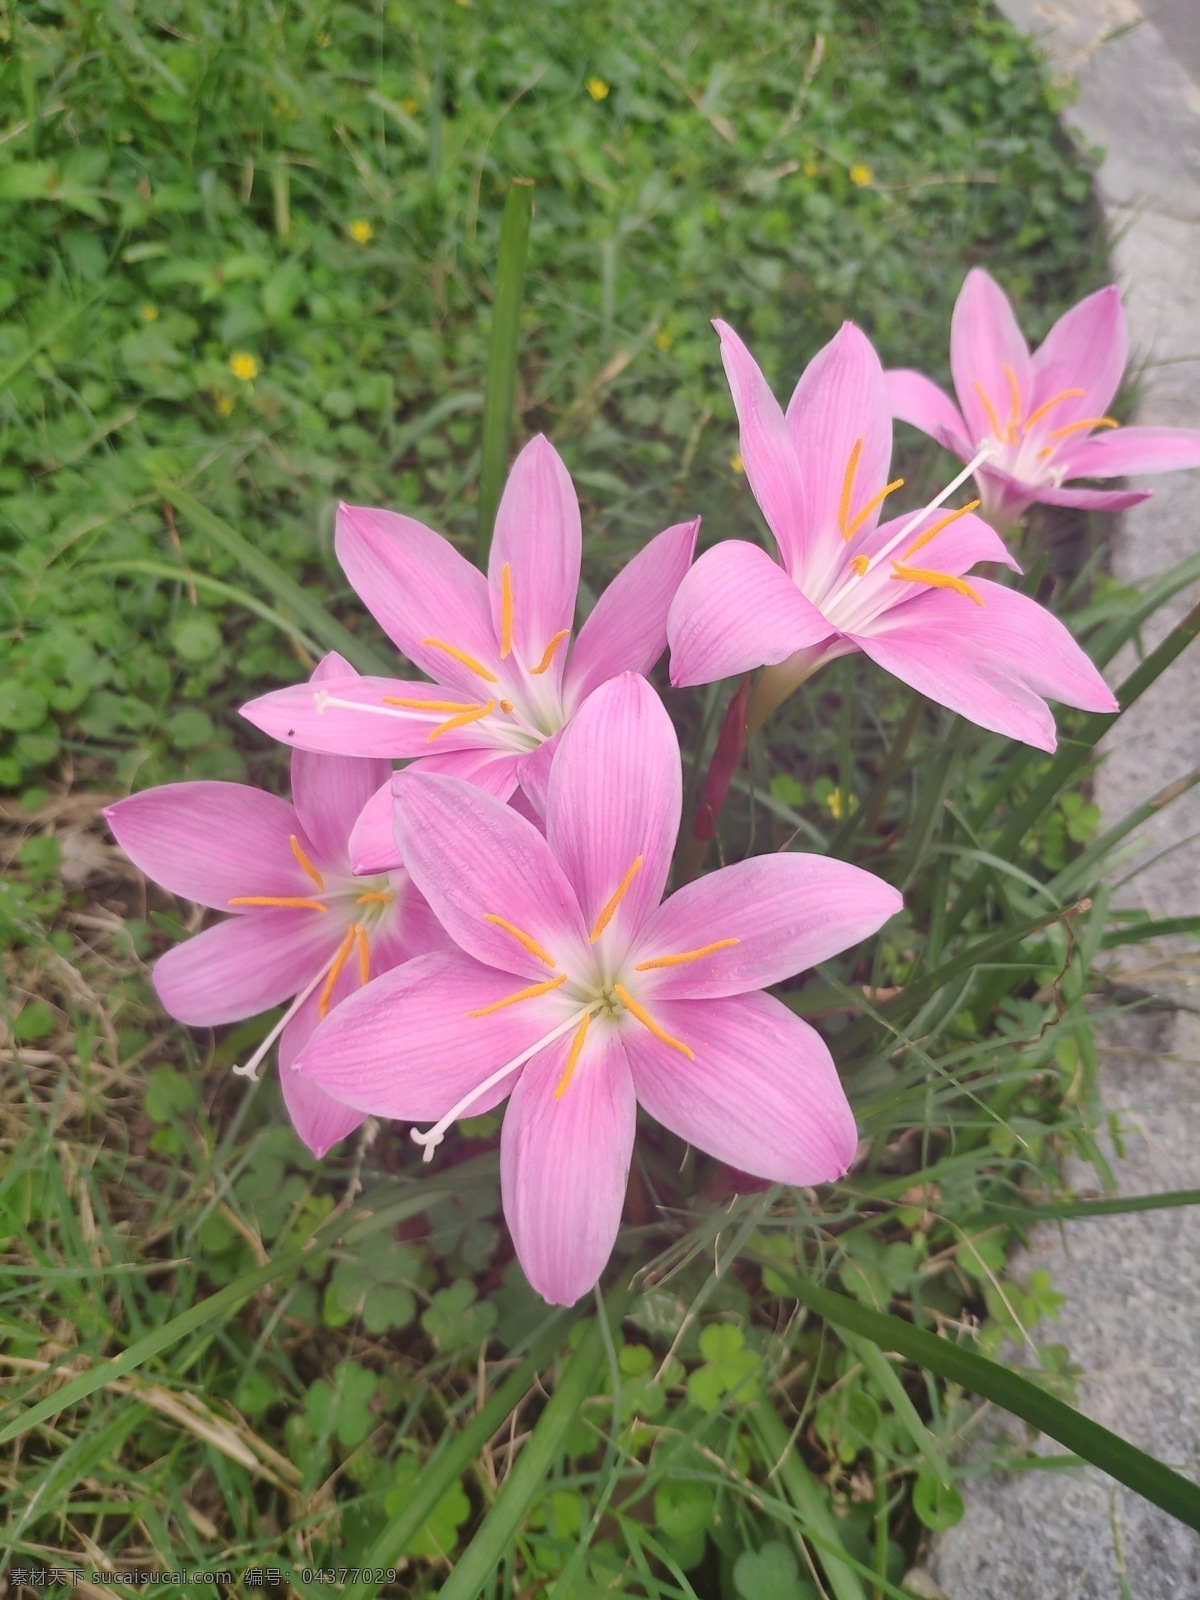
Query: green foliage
{"points": [[251, 253]]}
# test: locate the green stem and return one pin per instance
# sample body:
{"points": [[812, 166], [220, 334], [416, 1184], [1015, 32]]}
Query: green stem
{"points": [[502, 356]]}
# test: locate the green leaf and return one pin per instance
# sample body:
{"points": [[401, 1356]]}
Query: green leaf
{"points": [[682, 1509], [939, 1505], [437, 1537], [771, 1573]]}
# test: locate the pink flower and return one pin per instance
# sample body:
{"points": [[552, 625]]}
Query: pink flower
{"points": [[578, 994], [302, 926], [1041, 413], [896, 590], [506, 675]]}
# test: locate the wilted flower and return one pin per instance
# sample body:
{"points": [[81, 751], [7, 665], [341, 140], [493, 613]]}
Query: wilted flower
{"points": [[303, 928], [1043, 415], [577, 993]]}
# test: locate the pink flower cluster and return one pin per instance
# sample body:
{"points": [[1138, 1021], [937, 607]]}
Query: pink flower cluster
{"points": [[489, 922]]}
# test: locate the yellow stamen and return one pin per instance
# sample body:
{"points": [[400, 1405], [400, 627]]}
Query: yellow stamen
{"points": [[472, 714], [277, 900], [647, 1021], [859, 564], [1048, 451], [1014, 415], [848, 533], [606, 916], [298, 852], [507, 707], [685, 955], [531, 993], [506, 611], [375, 897], [335, 972], [548, 653], [531, 945], [932, 533], [848, 488], [997, 430], [461, 655], [429, 705], [573, 1055], [1078, 427], [1036, 416], [937, 580]]}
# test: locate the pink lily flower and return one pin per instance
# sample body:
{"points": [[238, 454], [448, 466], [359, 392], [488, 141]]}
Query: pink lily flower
{"points": [[576, 993], [845, 581], [303, 927], [1043, 415], [506, 676]]}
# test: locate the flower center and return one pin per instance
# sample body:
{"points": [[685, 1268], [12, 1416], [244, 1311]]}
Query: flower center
{"points": [[1014, 431], [594, 994]]}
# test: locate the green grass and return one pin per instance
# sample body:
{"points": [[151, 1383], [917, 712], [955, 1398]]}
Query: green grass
{"points": [[218, 1353]]}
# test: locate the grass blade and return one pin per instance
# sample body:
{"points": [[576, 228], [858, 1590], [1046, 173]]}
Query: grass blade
{"points": [[310, 613], [1146, 1476], [502, 357], [490, 1544]]}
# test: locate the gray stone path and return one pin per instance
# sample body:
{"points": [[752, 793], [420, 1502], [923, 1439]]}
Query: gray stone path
{"points": [[1131, 1316]]}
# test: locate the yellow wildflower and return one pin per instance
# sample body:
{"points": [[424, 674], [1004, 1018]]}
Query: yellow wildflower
{"points": [[837, 806], [225, 404], [860, 174], [324, 38], [811, 167], [361, 231], [597, 88], [149, 313], [664, 339], [737, 463], [410, 105], [243, 366]]}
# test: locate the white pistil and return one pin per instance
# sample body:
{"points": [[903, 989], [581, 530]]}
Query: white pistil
{"points": [[988, 450], [323, 699], [849, 583], [434, 1136], [250, 1070]]}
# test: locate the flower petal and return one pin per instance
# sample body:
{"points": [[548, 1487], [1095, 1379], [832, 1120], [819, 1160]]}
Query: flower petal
{"points": [[627, 630], [210, 842], [615, 797], [406, 1047], [539, 538], [329, 792], [564, 1163], [735, 610], [246, 964], [373, 846], [417, 586], [349, 716], [918, 400], [786, 912], [534, 770], [1087, 349], [473, 857], [1124, 450], [767, 451], [984, 340], [319, 1119], [762, 1094], [840, 404], [991, 663]]}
